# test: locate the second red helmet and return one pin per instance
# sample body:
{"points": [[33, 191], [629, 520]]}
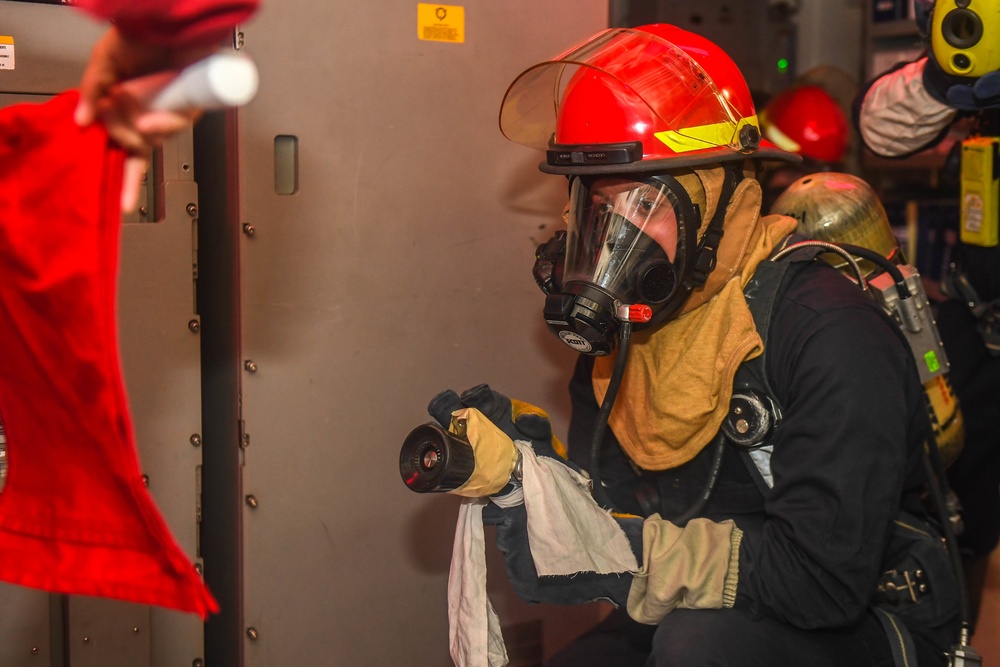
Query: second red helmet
{"points": [[808, 121]]}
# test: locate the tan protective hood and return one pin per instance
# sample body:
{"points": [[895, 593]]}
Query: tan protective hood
{"points": [[678, 379]]}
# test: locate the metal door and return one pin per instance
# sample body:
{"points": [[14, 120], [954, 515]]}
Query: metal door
{"points": [[389, 235]]}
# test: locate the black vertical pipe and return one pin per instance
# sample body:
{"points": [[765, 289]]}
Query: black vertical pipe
{"points": [[218, 300]]}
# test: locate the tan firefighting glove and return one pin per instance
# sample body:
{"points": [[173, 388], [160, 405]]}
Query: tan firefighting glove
{"points": [[496, 455], [694, 567]]}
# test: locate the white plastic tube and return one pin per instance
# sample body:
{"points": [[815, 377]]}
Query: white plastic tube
{"points": [[218, 81]]}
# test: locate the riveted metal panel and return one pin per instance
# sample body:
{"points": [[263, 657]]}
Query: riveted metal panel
{"points": [[162, 364], [26, 638], [100, 632], [400, 266]]}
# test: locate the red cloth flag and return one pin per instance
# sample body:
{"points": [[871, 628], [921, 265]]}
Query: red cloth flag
{"points": [[75, 516]]}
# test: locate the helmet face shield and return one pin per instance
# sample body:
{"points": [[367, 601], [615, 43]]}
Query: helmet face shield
{"points": [[620, 114], [626, 85], [623, 238]]}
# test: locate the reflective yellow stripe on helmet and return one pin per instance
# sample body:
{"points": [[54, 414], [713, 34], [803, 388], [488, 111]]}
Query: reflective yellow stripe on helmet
{"points": [[702, 136], [782, 140]]}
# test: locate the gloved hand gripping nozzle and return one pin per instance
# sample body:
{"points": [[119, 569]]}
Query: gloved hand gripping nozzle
{"points": [[435, 460], [470, 451]]}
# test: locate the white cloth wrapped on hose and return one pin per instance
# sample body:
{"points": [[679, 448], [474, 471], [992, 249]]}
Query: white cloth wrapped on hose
{"points": [[568, 533]]}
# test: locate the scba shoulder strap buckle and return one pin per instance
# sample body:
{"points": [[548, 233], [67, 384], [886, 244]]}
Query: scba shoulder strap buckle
{"points": [[751, 418], [902, 586], [753, 409]]}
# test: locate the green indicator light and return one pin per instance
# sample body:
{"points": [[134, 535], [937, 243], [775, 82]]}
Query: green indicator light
{"points": [[932, 362], [782, 64]]}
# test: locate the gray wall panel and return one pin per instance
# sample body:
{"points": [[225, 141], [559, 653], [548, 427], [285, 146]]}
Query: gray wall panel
{"points": [[100, 632], [400, 268], [24, 627], [51, 43], [161, 361]]}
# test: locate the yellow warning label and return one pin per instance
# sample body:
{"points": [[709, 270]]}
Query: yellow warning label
{"points": [[6, 52], [441, 23]]}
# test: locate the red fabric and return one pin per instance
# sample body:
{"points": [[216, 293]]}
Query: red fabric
{"points": [[75, 516], [173, 22]]}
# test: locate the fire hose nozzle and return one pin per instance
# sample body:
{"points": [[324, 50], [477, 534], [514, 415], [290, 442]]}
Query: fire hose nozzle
{"points": [[433, 460]]}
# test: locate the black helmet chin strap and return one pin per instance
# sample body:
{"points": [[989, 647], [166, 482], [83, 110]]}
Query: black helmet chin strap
{"points": [[708, 247]]}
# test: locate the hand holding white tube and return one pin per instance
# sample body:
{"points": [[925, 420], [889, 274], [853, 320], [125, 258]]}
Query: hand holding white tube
{"points": [[216, 82], [140, 110]]}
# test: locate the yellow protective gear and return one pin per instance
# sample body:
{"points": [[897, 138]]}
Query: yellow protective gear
{"points": [[495, 453], [694, 567], [696, 355], [742, 226], [660, 429], [946, 418]]}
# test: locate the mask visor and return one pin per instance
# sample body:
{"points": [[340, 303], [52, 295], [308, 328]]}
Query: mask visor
{"points": [[623, 238]]}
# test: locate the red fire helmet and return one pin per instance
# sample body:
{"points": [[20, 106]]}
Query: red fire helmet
{"points": [[807, 120], [641, 99]]}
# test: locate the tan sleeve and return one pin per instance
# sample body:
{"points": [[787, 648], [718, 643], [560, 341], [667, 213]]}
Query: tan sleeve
{"points": [[695, 567]]}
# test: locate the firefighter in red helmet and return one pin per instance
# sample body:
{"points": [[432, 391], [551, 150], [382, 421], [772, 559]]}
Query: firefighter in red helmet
{"points": [[752, 418]]}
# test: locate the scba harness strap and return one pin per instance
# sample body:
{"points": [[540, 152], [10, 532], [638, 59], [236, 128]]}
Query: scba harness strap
{"points": [[754, 411]]}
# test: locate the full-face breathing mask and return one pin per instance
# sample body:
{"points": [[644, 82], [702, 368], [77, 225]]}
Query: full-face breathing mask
{"points": [[629, 254]]}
